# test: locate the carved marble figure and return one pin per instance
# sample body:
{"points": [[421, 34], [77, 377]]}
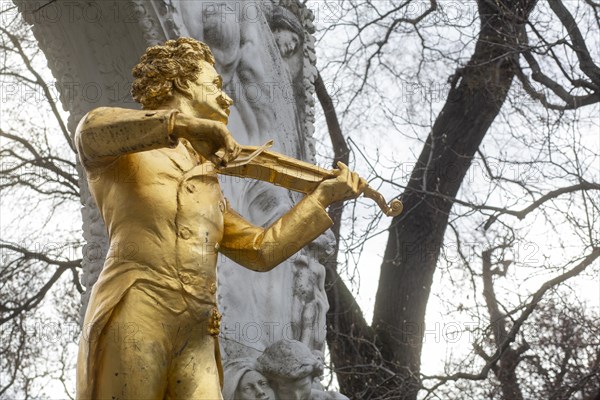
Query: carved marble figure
{"points": [[309, 306], [150, 328], [245, 382], [293, 371], [289, 36]]}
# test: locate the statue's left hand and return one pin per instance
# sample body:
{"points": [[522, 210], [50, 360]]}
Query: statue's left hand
{"points": [[344, 186]]}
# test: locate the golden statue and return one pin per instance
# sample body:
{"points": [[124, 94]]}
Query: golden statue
{"points": [[150, 330]]}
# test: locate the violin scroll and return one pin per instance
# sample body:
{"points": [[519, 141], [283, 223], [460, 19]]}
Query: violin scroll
{"points": [[393, 209]]}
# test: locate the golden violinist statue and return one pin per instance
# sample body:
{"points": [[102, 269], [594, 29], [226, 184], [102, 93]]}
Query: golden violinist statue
{"points": [[150, 330]]}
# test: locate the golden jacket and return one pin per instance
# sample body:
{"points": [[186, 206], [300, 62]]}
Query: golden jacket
{"points": [[167, 220]]}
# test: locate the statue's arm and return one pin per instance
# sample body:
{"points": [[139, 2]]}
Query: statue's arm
{"points": [[109, 132], [261, 249], [106, 133]]}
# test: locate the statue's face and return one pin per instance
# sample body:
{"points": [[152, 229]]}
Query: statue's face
{"points": [[208, 99], [287, 41], [294, 389], [254, 386]]}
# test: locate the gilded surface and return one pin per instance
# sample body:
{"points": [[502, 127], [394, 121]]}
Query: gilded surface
{"points": [[150, 326]]}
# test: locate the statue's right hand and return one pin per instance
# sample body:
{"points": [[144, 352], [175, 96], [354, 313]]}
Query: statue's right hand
{"points": [[210, 138]]}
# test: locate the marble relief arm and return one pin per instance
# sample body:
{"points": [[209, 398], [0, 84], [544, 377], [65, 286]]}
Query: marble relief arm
{"points": [[106, 133], [261, 249]]}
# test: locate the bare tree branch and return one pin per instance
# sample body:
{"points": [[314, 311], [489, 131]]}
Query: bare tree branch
{"points": [[518, 323]]}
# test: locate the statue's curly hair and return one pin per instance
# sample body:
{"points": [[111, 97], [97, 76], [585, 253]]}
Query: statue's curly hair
{"points": [[163, 65]]}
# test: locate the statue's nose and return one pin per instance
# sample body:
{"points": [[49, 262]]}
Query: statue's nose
{"points": [[225, 100]]}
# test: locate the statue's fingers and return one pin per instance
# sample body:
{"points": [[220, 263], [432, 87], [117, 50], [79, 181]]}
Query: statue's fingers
{"points": [[218, 161], [229, 155], [342, 166], [345, 173], [355, 183], [236, 152], [339, 170], [231, 149], [362, 185]]}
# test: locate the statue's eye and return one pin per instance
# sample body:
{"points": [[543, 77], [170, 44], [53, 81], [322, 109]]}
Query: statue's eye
{"points": [[263, 383]]}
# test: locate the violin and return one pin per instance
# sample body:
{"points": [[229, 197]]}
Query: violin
{"points": [[257, 162]]}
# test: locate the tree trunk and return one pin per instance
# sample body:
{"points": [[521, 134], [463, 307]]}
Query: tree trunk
{"points": [[415, 238]]}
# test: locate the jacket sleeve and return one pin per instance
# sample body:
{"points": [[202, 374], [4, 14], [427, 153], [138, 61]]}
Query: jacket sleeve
{"points": [[105, 133], [262, 249]]}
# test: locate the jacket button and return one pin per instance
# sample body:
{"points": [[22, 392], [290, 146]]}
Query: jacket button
{"points": [[213, 288], [185, 233], [184, 278], [221, 206], [190, 187]]}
